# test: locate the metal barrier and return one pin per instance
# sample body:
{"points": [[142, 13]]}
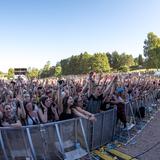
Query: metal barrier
{"points": [[103, 128], [70, 139], [138, 113], [73, 138]]}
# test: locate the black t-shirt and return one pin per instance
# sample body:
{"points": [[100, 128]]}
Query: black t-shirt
{"points": [[94, 103], [51, 115], [106, 106], [98, 98], [65, 116]]}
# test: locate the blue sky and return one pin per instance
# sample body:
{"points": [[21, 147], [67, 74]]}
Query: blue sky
{"points": [[35, 31]]}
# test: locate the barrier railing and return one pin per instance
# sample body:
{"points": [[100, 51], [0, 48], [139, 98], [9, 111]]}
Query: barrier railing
{"points": [[138, 113], [103, 128], [70, 139]]}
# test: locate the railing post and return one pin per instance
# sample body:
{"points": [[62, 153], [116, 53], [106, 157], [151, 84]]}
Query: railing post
{"points": [[114, 121], [92, 134], [102, 128], [85, 139], [44, 141], [3, 148], [132, 113], [60, 141], [75, 130], [31, 144]]}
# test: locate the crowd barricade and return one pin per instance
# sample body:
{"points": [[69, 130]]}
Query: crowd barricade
{"points": [[102, 131], [69, 139], [138, 113], [123, 134], [74, 138]]}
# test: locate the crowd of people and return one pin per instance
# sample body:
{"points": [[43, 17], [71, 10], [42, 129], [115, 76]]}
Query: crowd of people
{"points": [[41, 101]]}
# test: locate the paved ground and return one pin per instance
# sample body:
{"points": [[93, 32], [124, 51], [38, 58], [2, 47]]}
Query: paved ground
{"points": [[146, 139]]}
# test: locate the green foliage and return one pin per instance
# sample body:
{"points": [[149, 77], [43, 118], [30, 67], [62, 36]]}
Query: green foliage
{"points": [[99, 62], [136, 61], [152, 42], [124, 69], [65, 66], [1, 74], [109, 58], [153, 59], [126, 59], [74, 65], [140, 60], [79, 64], [50, 71], [152, 51], [33, 73], [47, 70], [83, 63], [115, 60], [58, 71], [47, 66], [10, 73], [121, 60]]}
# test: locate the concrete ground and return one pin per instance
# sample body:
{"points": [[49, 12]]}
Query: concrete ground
{"points": [[145, 140]]}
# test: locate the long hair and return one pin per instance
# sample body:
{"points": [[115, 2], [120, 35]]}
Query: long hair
{"points": [[65, 104]]}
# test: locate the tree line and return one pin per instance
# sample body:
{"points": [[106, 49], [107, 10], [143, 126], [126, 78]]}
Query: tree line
{"points": [[100, 62]]}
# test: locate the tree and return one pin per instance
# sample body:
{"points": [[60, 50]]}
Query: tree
{"points": [[79, 64], [124, 68], [58, 70], [154, 59], [152, 42], [99, 62], [126, 60], [84, 63], [10, 73], [140, 60], [33, 73], [65, 66], [151, 50], [116, 60], [47, 66], [109, 59], [129, 60], [46, 70], [136, 61], [121, 60], [1, 73], [74, 65]]}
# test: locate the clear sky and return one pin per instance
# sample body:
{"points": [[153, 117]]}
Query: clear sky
{"points": [[35, 31]]}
